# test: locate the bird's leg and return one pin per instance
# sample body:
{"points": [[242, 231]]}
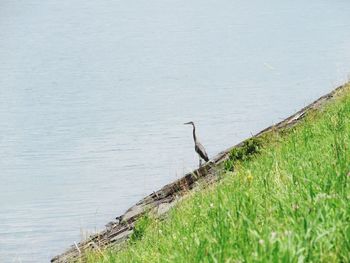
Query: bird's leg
{"points": [[200, 162]]}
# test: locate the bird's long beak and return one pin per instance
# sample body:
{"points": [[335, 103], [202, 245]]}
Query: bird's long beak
{"points": [[187, 123]]}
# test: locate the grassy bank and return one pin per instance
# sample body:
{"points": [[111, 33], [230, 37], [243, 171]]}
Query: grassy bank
{"points": [[288, 200]]}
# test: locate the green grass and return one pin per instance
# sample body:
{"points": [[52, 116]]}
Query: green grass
{"points": [[289, 203]]}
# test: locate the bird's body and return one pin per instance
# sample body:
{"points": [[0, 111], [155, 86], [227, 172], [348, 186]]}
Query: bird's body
{"points": [[198, 147]]}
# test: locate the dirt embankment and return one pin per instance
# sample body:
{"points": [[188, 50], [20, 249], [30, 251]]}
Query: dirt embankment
{"points": [[161, 201]]}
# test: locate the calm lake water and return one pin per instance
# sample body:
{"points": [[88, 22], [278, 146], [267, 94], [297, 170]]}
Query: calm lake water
{"points": [[94, 94]]}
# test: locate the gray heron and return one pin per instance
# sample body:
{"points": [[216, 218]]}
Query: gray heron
{"points": [[198, 147]]}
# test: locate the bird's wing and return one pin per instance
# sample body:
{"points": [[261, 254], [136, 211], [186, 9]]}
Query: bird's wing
{"points": [[201, 151]]}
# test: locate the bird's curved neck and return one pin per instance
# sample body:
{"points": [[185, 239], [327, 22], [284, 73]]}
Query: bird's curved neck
{"points": [[194, 133]]}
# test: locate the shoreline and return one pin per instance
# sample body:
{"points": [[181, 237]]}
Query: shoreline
{"points": [[161, 201]]}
